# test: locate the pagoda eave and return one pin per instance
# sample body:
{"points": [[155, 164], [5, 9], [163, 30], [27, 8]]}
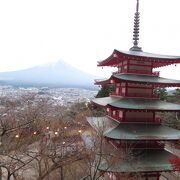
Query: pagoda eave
{"points": [[135, 173], [137, 104], [102, 81], [147, 161], [133, 131], [139, 79], [158, 60], [146, 109], [138, 132], [110, 61]]}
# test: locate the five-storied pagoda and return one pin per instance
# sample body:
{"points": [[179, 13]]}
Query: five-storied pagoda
{"points": [[131, 119]]}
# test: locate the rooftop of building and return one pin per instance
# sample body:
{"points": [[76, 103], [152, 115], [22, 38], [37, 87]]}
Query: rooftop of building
{"points": [[137, 161], [156, 59], [133, 131], [135, 78], [139, 104]]}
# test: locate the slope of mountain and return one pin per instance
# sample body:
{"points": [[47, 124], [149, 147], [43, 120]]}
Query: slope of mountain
{"points": [[59, 74]]}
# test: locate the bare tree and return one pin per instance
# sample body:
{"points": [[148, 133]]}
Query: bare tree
{"points": [[103, 156], [35, 135]]}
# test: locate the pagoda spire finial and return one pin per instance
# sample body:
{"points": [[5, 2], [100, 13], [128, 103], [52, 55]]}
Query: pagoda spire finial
{"points": [[136, 29]]}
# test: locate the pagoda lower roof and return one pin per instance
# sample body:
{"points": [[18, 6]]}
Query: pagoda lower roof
{"points": [[133, 131], [157, 59], [147, 160], [136, 104], [141, 79]]}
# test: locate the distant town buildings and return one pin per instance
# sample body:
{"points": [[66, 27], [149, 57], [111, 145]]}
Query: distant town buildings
{"points": [[60, 96]]}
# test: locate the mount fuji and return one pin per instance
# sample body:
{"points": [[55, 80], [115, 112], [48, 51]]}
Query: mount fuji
{"points": [[59, 74]]}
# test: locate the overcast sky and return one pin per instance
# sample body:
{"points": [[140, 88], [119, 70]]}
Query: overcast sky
{"points": [[82, 32]]}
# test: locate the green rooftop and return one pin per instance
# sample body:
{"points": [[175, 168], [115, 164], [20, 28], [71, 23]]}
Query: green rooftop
{"points": [[104, 123], [143, 132], [145, 79], [137, 104], [141, 79], [133, 131], [138, 161]]}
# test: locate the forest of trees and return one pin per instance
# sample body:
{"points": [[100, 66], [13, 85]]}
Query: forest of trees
{"points": [[42, 140]]}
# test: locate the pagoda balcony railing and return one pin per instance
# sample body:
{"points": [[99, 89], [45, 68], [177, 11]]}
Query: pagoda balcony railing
{"points": [[135, 95], [156, 73], [156, 96], [144, 95], [117, 72], [116, 117], [158, 120], [114, 94], [135, 120], [142, 121], [138, 120], [142, 145], [140, 72], [139, 95]]}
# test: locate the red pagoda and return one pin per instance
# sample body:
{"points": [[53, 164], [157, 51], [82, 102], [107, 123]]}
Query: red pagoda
{"points": [[132, 112]]}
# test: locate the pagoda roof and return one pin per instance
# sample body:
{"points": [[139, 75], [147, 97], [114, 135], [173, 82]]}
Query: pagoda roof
{"points": [[136, 131], [136, 104], [133, 131], [103, 81], [141, 79], [157, 59], [102, 122], [147, 160]]}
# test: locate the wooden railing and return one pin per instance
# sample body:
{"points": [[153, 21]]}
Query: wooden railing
{"points": [[117, 72], [143, 95], [135, 120], [155, 73], [139, 71], [158, 120], [115, 117], [135, 95]]}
